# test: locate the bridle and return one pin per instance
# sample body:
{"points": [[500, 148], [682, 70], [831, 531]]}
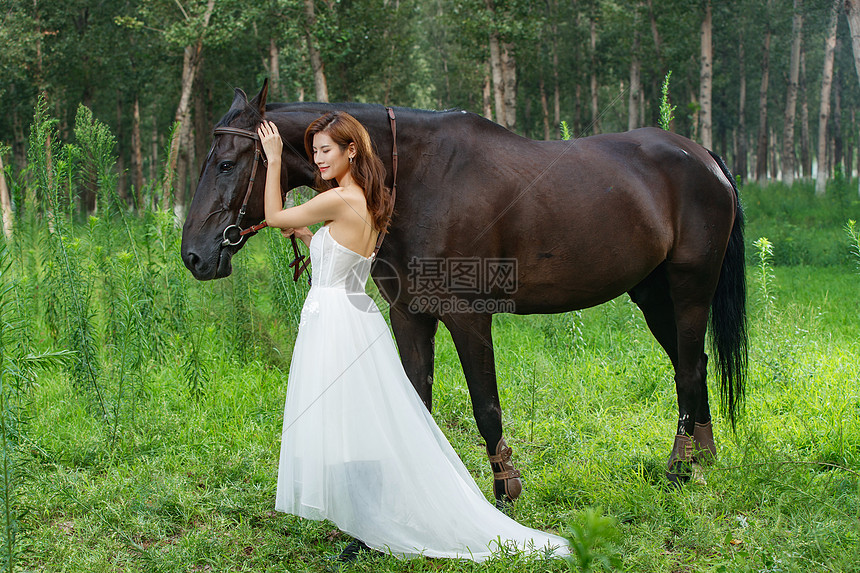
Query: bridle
{"points": [[300, 262], [258, 158]]}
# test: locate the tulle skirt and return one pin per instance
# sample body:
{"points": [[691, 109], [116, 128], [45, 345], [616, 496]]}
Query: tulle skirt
{"points": [[360, 449]]}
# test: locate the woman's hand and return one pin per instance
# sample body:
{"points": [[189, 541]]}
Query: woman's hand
{"points": [[271, 140], [302, 233]]}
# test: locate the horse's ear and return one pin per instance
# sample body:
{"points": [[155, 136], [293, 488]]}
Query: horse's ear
{"points": [[240, 100], [259, 101]]}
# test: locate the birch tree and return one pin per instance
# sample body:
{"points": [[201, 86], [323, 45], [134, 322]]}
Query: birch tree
{"points": [[824, 111], [320, 82], [741, 160], [635, 95], [705, 78], [788, 155], [5, 201], [762, 141], [852, 12]]}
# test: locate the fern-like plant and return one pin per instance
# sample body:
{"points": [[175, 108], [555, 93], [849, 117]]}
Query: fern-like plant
{"points": [[667, 110], [764, 249], [593, 537]]}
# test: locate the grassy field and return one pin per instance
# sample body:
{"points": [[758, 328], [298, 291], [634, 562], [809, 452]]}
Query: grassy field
{"points": [[153, 446]]}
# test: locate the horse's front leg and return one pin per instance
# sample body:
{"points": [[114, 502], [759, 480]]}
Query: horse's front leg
{"points": [[416, 335], [472, 335]]}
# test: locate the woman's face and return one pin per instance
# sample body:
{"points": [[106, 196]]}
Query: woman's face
{"points": [[332, 161]]}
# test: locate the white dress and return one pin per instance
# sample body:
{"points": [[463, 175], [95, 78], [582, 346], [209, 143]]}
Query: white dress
{"points": [[358, 446]]}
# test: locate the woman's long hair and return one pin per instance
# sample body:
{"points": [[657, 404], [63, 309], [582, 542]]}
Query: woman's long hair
{"points": [[366, 169]]}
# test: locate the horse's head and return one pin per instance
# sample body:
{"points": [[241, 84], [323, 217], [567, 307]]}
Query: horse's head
{"points": [[224, 183]]}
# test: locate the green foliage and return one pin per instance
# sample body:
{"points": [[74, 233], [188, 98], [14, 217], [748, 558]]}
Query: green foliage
{"points": [[853, 240], [565, 131], [593, 538], [18, 370], [764, 273], [179, 470], [41, 154], [804, 229], [666, 109], [96, 147]]}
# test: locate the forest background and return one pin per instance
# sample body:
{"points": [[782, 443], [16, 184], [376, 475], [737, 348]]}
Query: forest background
{"points": [[141, 410], [772, 86]]}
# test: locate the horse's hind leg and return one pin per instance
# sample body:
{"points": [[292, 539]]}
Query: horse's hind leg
{"points": [[415, 334], [472, 336], [679, 326]]}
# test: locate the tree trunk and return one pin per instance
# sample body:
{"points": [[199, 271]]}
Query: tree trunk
{"points": [[320, 84], [202, 122], [824, 112], [788, 167], [655, 34], [852, 12], [805, 155], [741, 166], [5, 203], [635, 93], [595, 100], [487, 96], [122, 176], [705, 78], [848, 158], [656, 80], [838, 143], [498, 78], [694, 118], [556, 96], [544, 106], [772, 146], [183, 115], [136, 153], [509, 74], [761, 147], [190, 63], [153, 160], [274, 71]]}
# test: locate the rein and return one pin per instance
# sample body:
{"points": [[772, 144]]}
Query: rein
{"points": [[300, 262]]}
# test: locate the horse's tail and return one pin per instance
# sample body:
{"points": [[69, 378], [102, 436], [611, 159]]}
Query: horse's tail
{"points": [[728, 314]]}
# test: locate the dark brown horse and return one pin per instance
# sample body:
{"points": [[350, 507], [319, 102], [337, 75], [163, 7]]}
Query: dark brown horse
{"points": [[487, 221]]}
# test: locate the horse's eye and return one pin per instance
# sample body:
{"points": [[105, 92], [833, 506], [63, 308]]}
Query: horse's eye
{"points": [[226, 166]]}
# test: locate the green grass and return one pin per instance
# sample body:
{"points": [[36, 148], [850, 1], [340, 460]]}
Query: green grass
{"points": [[589, 408], [805, 229], [180, 473]]}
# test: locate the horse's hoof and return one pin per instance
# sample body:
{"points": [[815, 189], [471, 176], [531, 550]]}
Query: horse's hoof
{"points": [[507, 484], [505, 505], [679, 474], [704, 447], [678, 470]]}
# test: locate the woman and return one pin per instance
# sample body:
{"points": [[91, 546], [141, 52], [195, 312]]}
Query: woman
{"points": [[358, 447]]}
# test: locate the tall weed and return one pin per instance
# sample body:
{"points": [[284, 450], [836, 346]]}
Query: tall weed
{"points": [[853, 240], [67, 281], [764, 274], [19, 367]]}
